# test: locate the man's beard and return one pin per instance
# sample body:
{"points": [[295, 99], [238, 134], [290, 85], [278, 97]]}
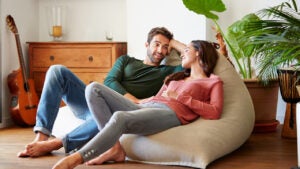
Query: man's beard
{"points": [[153, 59]]}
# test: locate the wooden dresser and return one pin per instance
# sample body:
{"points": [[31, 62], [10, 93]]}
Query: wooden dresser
{"points": [[90, 61]]}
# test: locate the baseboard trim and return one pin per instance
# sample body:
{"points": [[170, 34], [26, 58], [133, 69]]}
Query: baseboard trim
{"points": [[7, 122]]}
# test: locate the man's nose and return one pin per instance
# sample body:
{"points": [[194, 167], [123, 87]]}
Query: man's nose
{"points": [[159, 49]]}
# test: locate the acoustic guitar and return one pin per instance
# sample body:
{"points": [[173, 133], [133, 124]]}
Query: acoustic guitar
{"points": [[24, 100]]}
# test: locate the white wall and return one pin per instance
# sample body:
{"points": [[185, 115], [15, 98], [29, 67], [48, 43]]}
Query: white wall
{"points": [[87, 20], [143, 15], [27, 24]]}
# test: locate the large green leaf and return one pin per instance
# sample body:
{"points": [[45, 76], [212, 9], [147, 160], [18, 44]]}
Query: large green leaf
{"points": [[237, 30], [205, 7]]}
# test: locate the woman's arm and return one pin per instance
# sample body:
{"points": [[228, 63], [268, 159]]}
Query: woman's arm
{"points": [[211, 110]]}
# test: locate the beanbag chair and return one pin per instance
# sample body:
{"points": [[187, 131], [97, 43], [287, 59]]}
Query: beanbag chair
{"points": [[202, 141]]}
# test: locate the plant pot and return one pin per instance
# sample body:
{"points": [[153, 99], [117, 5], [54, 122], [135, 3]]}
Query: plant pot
{"points": [[264, 100]]}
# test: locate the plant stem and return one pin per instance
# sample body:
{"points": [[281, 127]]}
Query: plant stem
{"points": [[234, 53]]}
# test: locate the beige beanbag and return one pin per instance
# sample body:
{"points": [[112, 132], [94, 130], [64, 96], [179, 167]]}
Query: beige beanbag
{"points": [[203, 141]]}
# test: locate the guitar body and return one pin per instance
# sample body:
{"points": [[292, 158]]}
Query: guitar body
{"points": [[24, 100]]}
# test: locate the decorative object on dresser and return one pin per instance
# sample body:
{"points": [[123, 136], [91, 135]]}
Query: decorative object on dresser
{"points": [[90, 61], [56, 16], [24, 100]]}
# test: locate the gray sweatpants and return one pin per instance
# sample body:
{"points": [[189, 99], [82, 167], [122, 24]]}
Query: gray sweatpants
{"points": [[115, 115]]}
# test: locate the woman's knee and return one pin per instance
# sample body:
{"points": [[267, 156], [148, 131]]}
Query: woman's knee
{"points": [[93, 89], [126, 121], [120, 117]]}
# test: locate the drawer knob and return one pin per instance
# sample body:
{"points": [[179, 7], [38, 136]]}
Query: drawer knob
{"points": [[91, 58], [51, 57]]}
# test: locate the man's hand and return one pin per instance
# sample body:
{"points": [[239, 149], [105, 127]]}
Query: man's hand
{"points": [[132, 98]]}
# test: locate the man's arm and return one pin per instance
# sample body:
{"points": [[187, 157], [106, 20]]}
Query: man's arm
{"points": [[175, 44], [115, 76]]}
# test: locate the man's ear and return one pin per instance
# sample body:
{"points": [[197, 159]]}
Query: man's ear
{"points": [[146, 44]]}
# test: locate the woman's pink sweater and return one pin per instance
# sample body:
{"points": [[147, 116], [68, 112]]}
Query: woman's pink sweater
{"points": [[201, 97]]}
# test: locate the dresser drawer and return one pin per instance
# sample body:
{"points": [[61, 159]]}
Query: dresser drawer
{"points": [[90, 61], [73, 57], [86, 77]]}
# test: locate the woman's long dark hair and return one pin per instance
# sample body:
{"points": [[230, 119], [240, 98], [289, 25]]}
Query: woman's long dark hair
{"points": [[208, 56]]}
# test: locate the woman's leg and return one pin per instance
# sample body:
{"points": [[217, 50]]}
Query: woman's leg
{"points": [[142, 121], [103, 101]]}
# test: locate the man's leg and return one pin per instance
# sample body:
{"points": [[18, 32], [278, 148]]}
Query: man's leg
{"points": [[60, 83]]}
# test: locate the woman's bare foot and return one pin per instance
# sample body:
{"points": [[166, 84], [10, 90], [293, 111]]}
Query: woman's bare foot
{"points": [[39, 137], [116, 153], [69, 162]]}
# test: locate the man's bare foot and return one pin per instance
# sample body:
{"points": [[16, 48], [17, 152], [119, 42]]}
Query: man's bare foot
{"points": [[23, 154], [116, 153], [69, 162], [40, 148], [39, 137]]}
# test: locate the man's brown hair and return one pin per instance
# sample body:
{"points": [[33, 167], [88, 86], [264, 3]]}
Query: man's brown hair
{"points": [[159, 30]]}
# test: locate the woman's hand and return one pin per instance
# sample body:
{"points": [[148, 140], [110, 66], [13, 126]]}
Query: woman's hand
{"points": [[145, 100], [169, 94]]}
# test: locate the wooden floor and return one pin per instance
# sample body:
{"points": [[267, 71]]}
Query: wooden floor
{"points": [[261, 151]]}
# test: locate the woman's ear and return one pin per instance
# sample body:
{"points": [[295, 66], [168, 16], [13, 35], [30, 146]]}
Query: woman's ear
{"points": [[197, 53]]}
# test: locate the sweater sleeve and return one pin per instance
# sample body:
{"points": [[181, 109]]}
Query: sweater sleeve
{"points": [[115, 75], [211, 110]]}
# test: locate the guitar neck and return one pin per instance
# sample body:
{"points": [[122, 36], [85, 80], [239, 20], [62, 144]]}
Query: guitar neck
{"points": [[21, 58]]}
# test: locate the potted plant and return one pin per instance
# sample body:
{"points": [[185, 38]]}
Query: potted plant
{"points": [[242, 60], [275, 42]]}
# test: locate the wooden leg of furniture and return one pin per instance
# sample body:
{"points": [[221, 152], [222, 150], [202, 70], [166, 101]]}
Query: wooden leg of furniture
{"points": [[289, 128], [298, 136]]}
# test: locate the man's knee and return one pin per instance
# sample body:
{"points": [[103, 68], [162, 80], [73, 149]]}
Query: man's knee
{"points": [[56, 68]]}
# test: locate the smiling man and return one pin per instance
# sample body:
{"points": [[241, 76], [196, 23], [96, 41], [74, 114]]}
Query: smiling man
{"points": [[137, 79]]}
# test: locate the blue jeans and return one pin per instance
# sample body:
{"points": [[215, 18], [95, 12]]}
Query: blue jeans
{"points": [[62, 84]]}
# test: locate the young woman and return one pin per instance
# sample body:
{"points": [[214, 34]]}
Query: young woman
{"points": [[184, 97]]}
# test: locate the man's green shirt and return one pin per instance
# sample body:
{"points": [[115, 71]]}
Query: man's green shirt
{"points": [[131, 75]]}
